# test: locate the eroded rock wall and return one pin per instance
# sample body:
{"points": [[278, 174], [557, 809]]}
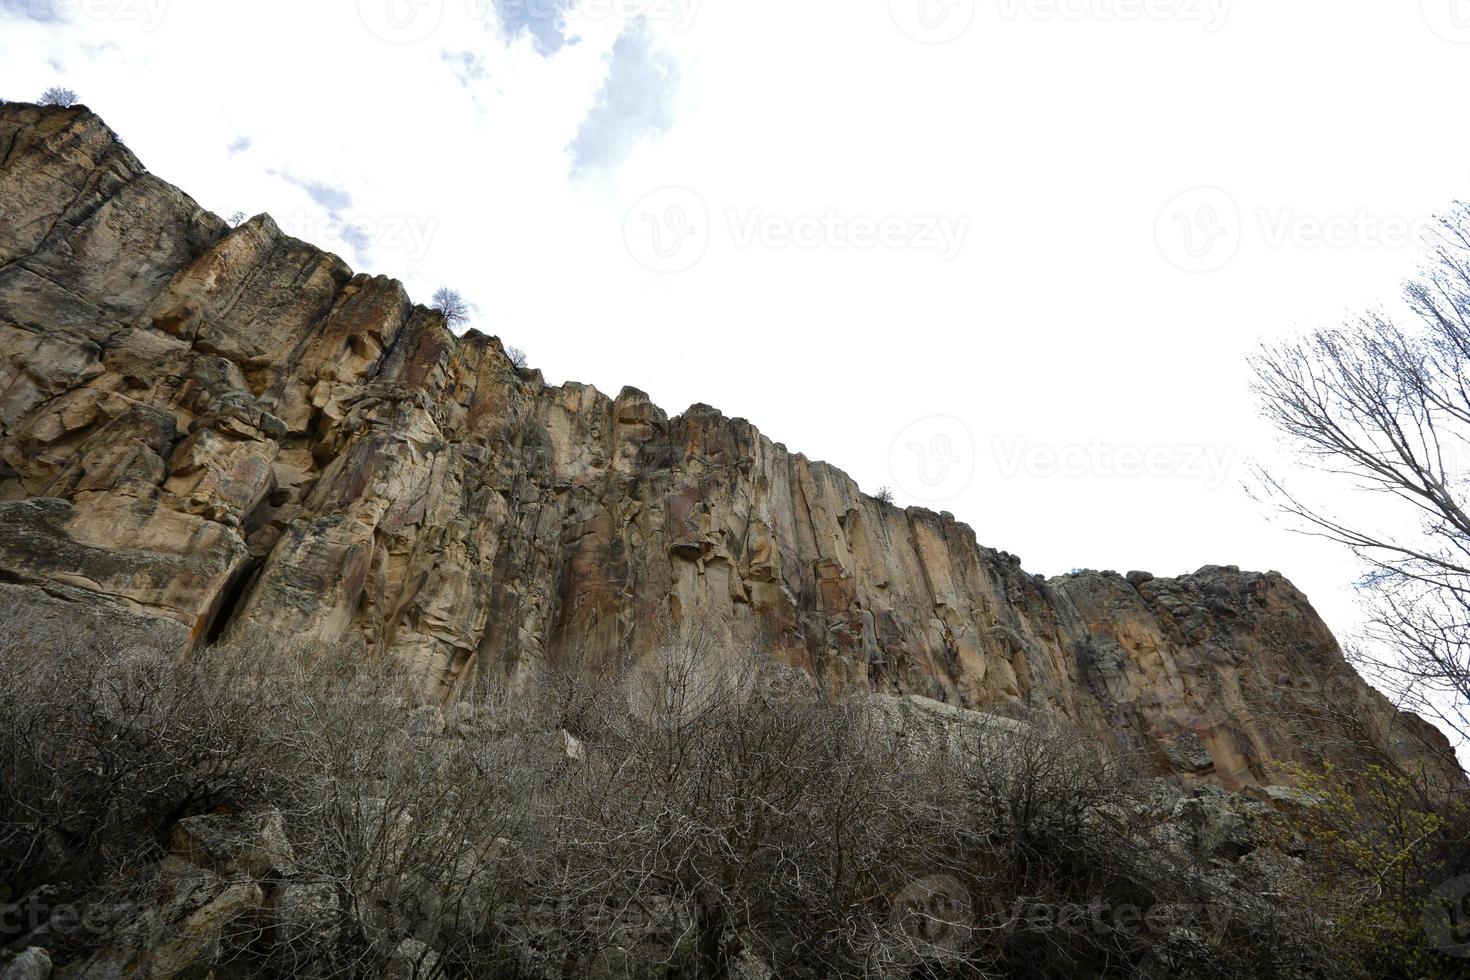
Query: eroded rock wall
{"points": [[205, 429]]}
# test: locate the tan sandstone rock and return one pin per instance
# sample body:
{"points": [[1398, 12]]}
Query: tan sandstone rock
{"points": [[224, 429]]}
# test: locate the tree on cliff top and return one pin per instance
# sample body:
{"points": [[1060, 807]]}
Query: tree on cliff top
{"points": [[56, 95], [450, 305], [1383, 403]]}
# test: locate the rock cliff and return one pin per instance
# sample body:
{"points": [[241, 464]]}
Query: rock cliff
{"points": [[206, 428]]}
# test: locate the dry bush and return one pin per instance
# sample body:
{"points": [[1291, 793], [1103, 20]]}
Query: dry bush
{"points": [[103, 749], [696, 814]]}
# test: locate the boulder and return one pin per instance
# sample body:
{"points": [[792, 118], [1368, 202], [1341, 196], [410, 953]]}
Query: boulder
{"points": [[254, 845], [200, 939], [1222, 825], [181, 931], [411, 960], [307, 914], [1187, 753], [31, 964], [934, 726]]}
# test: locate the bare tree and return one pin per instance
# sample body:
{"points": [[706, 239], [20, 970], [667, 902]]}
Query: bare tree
{"points": [[236, 220], [58, 96], [1383, 404], [884, 496], [451, 305], [518, 359]]}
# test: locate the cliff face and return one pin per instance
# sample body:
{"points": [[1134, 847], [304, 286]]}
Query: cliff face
{"points": [[206, 429]]}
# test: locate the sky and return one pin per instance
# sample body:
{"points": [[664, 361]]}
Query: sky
{"points": [[1006, 257]]}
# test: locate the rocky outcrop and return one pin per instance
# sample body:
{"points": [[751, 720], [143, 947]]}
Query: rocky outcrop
{"points": [[206, 429]]}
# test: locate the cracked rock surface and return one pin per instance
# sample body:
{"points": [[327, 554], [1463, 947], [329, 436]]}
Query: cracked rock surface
{"points": [[205, 429]]}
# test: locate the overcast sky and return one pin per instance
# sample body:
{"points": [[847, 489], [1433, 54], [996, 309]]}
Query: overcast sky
{"points": [[1005, 256]]}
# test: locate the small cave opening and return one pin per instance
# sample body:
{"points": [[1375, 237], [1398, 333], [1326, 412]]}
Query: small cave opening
{"points": [[230, 601]]}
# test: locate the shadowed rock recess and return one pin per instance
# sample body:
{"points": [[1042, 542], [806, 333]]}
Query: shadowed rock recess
{"points": [[208, 429]]}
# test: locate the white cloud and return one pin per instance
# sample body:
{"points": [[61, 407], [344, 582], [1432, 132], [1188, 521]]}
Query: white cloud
{"points": [[467, 66], [635, 101], [45, 11], [333, 200], [544, 21]]}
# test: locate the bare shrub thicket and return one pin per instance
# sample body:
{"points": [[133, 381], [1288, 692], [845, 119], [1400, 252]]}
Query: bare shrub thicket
{"points": [[697, 814]]}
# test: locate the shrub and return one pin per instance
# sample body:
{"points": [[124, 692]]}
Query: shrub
{"points": [[1377, 855], [58, 96], [699, 813]]}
